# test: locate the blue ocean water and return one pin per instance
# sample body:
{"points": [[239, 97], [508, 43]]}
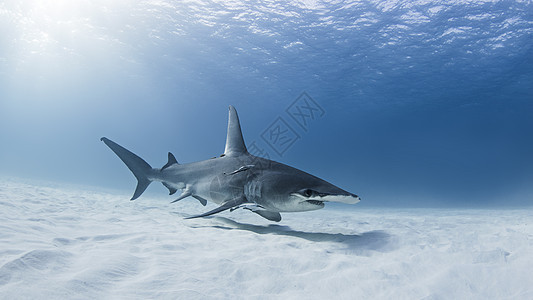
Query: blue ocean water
{"points": [[424, 102]]}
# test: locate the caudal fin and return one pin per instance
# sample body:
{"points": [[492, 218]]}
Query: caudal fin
{"points": [[137, 165]]}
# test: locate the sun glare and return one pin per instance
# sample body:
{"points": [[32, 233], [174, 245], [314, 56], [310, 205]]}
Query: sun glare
{"points": [[51, 48]]}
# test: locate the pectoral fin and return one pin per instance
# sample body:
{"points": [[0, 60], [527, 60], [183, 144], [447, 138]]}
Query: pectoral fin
{"points": [[225, 206], [269, 215]]}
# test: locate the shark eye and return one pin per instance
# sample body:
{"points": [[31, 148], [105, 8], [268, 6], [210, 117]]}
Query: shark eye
{"points": [[308, 193]]}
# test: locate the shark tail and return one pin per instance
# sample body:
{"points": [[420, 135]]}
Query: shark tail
{"points": [[140, 168]]}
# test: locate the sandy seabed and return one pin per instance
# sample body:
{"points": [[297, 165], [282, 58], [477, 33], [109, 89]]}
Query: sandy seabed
{"points": [[68, 243]]}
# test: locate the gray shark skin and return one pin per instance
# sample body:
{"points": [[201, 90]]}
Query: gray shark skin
{"points": [[236, 179]]}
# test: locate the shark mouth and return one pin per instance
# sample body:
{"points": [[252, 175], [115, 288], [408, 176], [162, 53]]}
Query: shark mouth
{"points": [[315, 202]]}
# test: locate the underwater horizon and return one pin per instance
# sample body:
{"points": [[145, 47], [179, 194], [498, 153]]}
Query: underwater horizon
{"points": [[410, 103]]}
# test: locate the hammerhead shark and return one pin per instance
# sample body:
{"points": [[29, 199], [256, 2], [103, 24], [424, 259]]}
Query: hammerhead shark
{"points": [[236, 179]]}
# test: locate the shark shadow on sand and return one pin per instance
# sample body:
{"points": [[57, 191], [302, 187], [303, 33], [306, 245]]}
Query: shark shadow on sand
{"points": [[376, 240]]}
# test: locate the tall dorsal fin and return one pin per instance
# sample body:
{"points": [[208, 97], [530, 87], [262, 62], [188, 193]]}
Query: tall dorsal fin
{"points": [[234, 141]]}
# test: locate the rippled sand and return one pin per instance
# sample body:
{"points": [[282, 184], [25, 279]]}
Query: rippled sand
{"points": [[58, 242]]}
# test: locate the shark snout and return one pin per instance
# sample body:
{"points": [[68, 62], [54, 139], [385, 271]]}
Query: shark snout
{"points": [[344, 197], [348, 198]]}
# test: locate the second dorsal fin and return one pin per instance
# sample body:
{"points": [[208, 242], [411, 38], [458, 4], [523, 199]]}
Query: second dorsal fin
{"points": [[171, 160]]}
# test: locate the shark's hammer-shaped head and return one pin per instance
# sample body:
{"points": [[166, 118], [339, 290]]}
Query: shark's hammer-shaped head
{"points": [[289, 189]]}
